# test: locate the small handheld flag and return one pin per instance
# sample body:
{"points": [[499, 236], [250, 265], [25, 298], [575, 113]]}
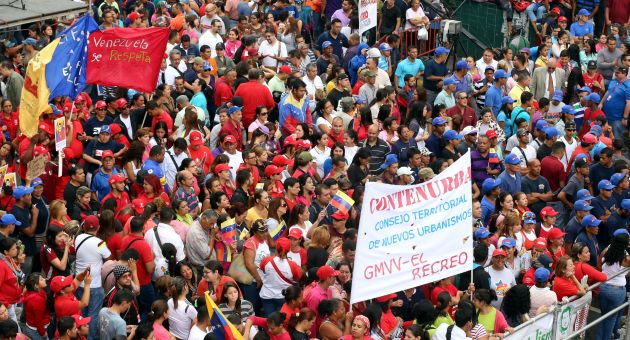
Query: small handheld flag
{"points": [[342, 202], [219, 324], [228, 231], [278, 230]]}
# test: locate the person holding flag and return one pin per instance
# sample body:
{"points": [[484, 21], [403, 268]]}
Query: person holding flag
{"points": [[225, 244], [278, 273], [342, 202]]}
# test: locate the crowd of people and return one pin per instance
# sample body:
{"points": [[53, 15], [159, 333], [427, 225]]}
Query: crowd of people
{"points": [[217, 186]]}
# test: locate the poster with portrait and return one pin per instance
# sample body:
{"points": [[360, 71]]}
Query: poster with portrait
{"points": [[60, 133]]}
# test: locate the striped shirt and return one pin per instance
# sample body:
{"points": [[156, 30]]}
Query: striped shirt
{"points": [[378, 153]]}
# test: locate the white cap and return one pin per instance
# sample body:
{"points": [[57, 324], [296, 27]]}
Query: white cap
{"points": [[405, 170], [468, 130], [374, 53]]}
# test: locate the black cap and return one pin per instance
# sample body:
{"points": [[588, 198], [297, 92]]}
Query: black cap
{"points": [[569, 125], [592, 64], [220, 46], [581, 162], [623, 69], [342, 77]]}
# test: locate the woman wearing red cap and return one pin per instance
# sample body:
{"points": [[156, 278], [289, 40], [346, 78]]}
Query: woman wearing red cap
{"points": [[555, 244], [62, 288], [278, 273]]}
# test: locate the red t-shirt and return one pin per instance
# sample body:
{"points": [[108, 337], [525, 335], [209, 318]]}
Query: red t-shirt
{"points": [[218, 290], [564, 287], [67, 305], [553, 170], [203, 154], [146, 255], [121, 201], [164, 117], [588, 81]]}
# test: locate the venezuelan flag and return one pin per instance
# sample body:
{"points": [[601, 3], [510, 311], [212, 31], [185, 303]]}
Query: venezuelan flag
{"points": [[228, 230], [57, 70], [278, 230], [219, 325], [342, 202], [224, 253]]}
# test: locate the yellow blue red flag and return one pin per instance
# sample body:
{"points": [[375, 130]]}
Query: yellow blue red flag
{"points": [[219, 324], [342, 202]]}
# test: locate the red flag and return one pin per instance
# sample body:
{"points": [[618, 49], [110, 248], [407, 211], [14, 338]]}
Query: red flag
{"points": [[126, 57]]}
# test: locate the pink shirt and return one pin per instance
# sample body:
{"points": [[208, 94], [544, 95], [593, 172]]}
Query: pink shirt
{"points": [[312, 300], [160, 333]]}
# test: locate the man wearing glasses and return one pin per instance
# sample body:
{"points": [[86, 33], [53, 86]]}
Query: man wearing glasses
{"points": [[616, 101], [546, 80], [462, 108]]}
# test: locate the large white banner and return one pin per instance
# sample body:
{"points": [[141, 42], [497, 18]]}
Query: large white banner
{"points": [[367, 15], [412, 235]]}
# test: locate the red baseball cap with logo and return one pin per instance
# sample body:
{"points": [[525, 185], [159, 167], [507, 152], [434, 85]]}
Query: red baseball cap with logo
{"points": [[326, 272], [221, 167], [280, 161], [229, 139], [138, 206], [548, 211], [116, 178], [121, 102], [134, 15], [271, 170], [100, 104], [115, 129], [296, 233], [290, 140], [46, 127], [491, 133], [81, 320], [196, 138], [60, 282], [540, 242], [107, 153], [340, 215], [555, 233]]}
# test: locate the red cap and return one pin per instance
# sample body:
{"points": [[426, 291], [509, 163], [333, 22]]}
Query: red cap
{"points": [[90, 223], [296, 233], [221, 167], [271, 170], [562, 18], [290, 140], [340, 215], [79, 98], [555, 10], [107, 153], [100, 104], [196, 138], [68, 153], [589, 138], [116, 178], [303, 144], [280, 161], [67, 107], [121, 102], [46, 127], [134, 15], [39, 150], [326, 272], [491, 133], [285, 69], [138, 206], [81, 320], [555, 233], [60, 282], [548, 211], [229, 139], [283, 243], [499, 252], [115, 129], [384, 298], [540, 242]]}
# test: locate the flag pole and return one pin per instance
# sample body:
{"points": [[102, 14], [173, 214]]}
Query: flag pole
{"points": [[60, 169]]}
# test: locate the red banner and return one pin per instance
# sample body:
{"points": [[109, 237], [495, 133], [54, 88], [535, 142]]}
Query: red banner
{"points": [[126, 57]]}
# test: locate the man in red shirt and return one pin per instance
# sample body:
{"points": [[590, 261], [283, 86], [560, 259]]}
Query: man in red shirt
{"points": [[118, 193], [145, 264], [254, 94], [156, 112], [552, 168], [586, 145], [233, 126], [591, 112], [617, 12], [249, 163], [224, 91], [200, 153], [461, 108]]}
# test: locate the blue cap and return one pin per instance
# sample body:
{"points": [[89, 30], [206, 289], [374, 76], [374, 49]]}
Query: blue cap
{"points": [[9, 219], [584, 194], [529, 217], [590, 221], [594, 97], [615, 179], [542, 274], [605, 184], [442, 50], [568, 109], [541, 124], [450, 81], [207, 66], [451, 134], [439, 121], [20, 191], [508, 242], [625, 203], [557, 97], [106, 129], [489, 184], [583, 11], [358, 100], [596, 130], [500, 74], [481, 233], [384, 47], [389, 160], [507, 100], [551, 132], [584, 89], [326, 44], [29, 41], [512, 159], [36, 182], [582, 205], [233, 109], [462, 64], [621, 231]]}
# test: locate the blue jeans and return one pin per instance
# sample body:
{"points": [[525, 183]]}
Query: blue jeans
{"points": [[94, 306], [271, 305], [617, 128], [535, 12], [610, 297], [145, 299]]}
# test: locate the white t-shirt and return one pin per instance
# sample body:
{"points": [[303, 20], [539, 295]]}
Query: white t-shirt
{"points": [[167, 235], [91, 254], [196, 334], [235, 161], [541, 297], [207, 38], [275, 50], [180, 319], [500, 281], [273, 285], [456, 334], [413, 14], [320, 157]]}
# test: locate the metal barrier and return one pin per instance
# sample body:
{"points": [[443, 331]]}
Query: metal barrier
{"points": [[409, 37], [561, 321]]}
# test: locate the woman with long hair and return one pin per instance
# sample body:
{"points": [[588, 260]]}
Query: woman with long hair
{"points": [[58, 213], [255, 248], [425, 316], [345, 275], [516, 305], [231, 302], [182, 314], [491, 318], [36, 312], [300, 324], [581, 255], [160, 134], [133, 160], [152, 189], [260, 207], [55, 252], [325, 111], [613, 293], [186, 271], [232, 43], [503, 205], [307, 189], [157, 316], [418, 122], [359, 170], [277, 214], [316, 254], [587, 53], [300, 218], [566, 284]]}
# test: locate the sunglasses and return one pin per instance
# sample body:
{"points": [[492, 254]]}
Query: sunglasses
{"points": [[572, 130]]}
